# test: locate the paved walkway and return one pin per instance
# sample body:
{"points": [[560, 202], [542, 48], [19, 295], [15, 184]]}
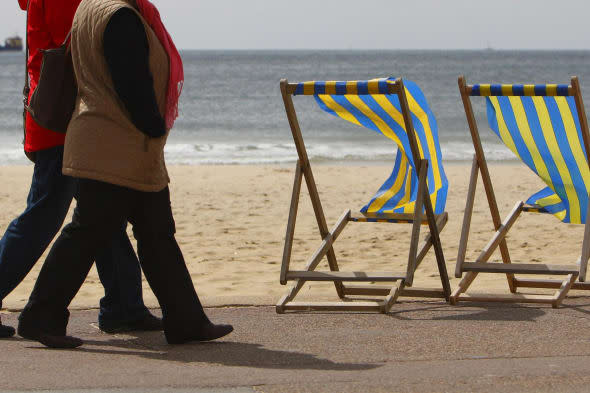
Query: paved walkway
{"points": [[418, 347]]}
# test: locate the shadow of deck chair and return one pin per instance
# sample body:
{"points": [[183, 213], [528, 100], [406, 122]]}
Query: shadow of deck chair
{"points": [[545, 126], [417, 183]]}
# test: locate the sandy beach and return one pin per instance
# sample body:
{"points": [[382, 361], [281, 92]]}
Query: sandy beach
{"points": [[231, 222]]}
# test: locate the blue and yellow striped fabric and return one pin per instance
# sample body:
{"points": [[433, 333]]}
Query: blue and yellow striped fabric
{"points": [[375, 86], [544, 132], [520, 90], [368, 104]]}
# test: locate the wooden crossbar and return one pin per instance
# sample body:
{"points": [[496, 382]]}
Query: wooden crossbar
{"points": [[394, 87], [344, 276], [376, 290], [523, 268], [534, 209], [400, 282], [548, 284], [507, 92], [396, 218], [333, 306]]}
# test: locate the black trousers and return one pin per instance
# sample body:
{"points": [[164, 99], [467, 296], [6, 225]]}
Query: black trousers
{"points": [[101, 210]]}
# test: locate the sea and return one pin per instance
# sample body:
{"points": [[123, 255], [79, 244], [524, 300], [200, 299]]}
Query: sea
{"points": [[231, 110]]}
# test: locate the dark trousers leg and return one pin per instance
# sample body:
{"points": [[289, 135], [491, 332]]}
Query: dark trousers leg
{"points": [[102, 209], [99, 213], [164, 265], [119, 271], [27, 237]]}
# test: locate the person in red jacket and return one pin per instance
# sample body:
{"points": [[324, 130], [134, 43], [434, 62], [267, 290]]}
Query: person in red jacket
{"points": [[51, 193]]}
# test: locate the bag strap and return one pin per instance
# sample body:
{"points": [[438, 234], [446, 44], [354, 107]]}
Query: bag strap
{"points": [[27, 87], [67, 39]]}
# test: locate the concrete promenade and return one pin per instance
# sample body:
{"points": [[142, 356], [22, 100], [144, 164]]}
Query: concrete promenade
{"points": [[418, 347]]}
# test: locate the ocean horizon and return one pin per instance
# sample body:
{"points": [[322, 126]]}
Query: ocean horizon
{"points": [[231, 111]]}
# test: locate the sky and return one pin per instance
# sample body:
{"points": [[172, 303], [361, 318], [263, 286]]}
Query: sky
{"points": [[366, 24]]}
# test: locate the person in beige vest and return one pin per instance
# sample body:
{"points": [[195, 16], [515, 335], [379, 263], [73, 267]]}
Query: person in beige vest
{"points": [[129, 76], [28, 236]]}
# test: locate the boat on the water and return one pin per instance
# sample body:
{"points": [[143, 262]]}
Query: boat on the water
{"points": [[12, 44]]}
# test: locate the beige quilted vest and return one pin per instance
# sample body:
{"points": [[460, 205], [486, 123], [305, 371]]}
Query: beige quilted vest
{"points": [[102, 143]]}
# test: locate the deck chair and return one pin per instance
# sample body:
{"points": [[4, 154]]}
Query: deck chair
{"points": [[417, 185], [545, 126]]}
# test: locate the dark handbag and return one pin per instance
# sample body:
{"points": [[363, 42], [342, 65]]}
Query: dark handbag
{"points": [[54, 98]]}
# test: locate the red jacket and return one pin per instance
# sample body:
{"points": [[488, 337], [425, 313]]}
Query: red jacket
{"points": [[49, 24]]}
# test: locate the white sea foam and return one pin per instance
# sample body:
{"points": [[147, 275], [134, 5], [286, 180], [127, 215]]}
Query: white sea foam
{"points": [[215, 153], [340, 152], [462, 151], [11, 153]]}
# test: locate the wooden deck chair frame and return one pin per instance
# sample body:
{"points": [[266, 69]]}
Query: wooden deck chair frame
{"points": [[481, 264], [400, 281]]}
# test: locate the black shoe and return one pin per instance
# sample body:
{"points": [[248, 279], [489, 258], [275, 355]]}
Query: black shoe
{"points": [[147, 323], [6, 331], [49, 340], [207, 333]]}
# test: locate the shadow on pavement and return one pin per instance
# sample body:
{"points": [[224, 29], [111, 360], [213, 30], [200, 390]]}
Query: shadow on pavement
{"points": [[443, 311], [481, 312], [224, 353], [581, 308]]}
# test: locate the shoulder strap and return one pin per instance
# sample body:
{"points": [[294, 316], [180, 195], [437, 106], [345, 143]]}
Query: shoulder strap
{"points": [[67, 39], [27, 86]]}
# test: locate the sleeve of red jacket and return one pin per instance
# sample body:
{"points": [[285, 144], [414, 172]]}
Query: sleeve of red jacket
{"points": [[59, 15], [23, 4]]}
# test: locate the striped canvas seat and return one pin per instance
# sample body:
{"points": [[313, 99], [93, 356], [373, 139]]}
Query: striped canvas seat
{"points": [[546, 127], [540, 125], [416, 189], [368, 104]]}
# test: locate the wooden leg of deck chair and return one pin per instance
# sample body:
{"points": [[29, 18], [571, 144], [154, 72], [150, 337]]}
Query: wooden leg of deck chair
{"points": [[487, 181], [409, 125], [391, 298], [289, 296], [321, 220], [498, 238], [440, 258], [434, 238], [462, 287], [485, 175], [586, 138], [309, 179], [441, 222], [585, 248], [467, 218], [562, 292], [314, 261], [328, 241], [415, 238], [500, 234], [291, 224]]}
